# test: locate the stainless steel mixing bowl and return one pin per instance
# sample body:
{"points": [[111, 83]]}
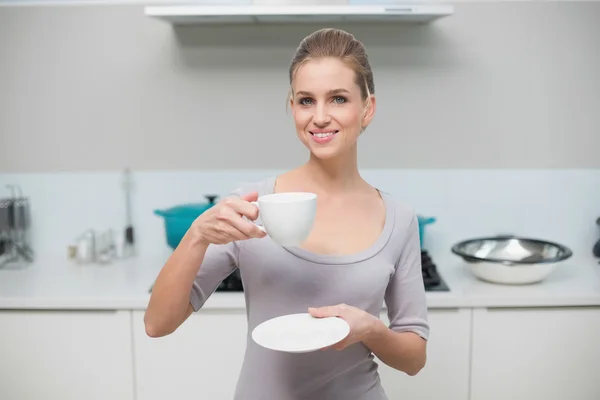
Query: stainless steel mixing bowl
{"points": [[511, 259]]}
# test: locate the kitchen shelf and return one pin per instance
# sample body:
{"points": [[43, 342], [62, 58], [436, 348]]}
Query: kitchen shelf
{"points": [[253, 14]]}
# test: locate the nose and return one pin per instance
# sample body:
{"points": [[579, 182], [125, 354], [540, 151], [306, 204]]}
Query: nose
{"points": [[321, 117]]}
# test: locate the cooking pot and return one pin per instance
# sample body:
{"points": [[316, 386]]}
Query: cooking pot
{"points": [[423, 222], [178, 219], [511, 260]]}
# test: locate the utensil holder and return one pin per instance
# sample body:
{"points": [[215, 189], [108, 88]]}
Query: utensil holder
{"points": [[15, 223]]}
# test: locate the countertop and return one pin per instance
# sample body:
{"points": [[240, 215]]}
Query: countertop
{"points": [[56, 283]]}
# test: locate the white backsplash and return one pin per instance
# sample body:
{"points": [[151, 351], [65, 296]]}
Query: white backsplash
{"points": [[557, 205]]}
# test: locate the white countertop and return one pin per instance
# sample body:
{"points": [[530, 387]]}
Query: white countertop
{"points": [[60, 284]]}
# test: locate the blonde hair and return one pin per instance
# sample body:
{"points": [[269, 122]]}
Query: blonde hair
{"points": [[335, 43]]}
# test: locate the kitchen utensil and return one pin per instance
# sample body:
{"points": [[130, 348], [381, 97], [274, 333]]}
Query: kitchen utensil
{"points": [[8, 228], [21, 218], [300, 333], [178, 219], [12, 215], [423, 222], [596, 249], [24, 251], [105, 247], [510, 259], [19, 213], [129, 233], [86, 247], [97, 247], [14, 225], [120, 245], [21, 209], [6, 215]]}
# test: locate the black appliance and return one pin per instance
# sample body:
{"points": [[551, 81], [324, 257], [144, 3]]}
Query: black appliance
{"points": [[233, 283], [431, 277]]}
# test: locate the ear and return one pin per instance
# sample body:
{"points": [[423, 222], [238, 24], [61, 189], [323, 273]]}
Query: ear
{"points": [[291, 103], [369, 112]]}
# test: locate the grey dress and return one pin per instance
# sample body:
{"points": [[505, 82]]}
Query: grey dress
{"points": [[279, 281]]}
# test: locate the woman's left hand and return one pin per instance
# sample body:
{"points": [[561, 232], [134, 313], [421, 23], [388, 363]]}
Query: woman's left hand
{"points": [[362, 324]]}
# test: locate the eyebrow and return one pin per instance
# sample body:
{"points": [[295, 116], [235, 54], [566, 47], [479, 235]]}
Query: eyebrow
{"points": [[331, 92]]}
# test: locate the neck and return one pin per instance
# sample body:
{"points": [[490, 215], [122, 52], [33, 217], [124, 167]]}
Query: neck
{"points": [[334, 174]]}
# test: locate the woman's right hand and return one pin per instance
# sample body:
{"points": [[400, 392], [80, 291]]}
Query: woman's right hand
{"points": [[224, 222]]}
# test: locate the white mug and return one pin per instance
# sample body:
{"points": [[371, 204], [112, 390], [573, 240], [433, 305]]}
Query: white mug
{"points": [[287, 217]]}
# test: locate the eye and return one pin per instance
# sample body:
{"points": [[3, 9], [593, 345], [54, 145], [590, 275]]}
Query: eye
{"points": [[339, 99], [305, 101]]}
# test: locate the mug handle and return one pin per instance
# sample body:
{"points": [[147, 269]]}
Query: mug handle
{"points": [[262, 228]]}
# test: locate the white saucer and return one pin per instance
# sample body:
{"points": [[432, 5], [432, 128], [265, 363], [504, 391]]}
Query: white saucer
{"points": [[300, 333]]}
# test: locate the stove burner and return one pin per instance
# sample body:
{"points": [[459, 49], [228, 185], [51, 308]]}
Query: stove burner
{"points": [[431, 277]]}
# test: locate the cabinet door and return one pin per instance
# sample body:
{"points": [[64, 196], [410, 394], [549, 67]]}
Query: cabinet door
{"points": [[201, 359], [446, 374], [65, 355], [541, 353]]}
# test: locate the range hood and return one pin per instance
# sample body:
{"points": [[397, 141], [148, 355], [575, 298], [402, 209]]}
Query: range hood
{"points": [[242, 14]]}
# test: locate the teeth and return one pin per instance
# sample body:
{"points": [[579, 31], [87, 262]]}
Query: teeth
{"points": [[323, 135]]}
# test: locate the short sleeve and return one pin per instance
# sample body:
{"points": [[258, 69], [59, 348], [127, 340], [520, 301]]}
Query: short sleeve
{"points": [[219, 262], [405, 295]]}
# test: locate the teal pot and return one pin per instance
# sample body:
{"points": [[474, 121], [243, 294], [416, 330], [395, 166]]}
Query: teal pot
{"points": [[423, 222], [178, 219]]}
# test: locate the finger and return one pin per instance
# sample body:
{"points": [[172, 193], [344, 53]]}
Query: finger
{"points": [[252, 196], [321, 312], [243, 207], [340, 345], [231, 232], [246, 227], [224, 230]]}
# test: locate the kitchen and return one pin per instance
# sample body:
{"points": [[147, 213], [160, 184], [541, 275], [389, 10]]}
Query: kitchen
{"points": [[487, 123]]}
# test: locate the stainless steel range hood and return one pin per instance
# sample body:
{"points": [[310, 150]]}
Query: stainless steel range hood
{"points": [[252, 14]]}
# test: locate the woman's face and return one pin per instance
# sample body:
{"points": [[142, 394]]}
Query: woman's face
{"points": [[328, 110]]}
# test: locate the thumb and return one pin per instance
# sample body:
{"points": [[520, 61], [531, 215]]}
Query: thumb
{"points": [[252, 196]]}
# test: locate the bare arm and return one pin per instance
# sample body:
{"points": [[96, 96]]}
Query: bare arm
{"points": [[403, 344], [169, 304], [404, 351]]}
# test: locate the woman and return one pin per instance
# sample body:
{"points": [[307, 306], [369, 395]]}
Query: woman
{"points": [[363, 249]]}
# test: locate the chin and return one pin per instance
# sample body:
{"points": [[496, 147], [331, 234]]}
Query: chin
{"points": [[325, 153]]}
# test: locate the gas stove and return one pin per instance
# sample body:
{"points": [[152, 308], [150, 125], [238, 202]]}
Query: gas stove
{"points": [[431, 277]]}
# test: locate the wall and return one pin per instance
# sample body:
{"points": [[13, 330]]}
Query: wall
{"points": [[498, 85], [487, 120], [550, 204]]}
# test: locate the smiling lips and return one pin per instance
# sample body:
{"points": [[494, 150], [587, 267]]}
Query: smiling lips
{"points": [[323, 136]]}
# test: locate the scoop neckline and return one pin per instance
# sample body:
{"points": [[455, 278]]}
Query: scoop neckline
{"points": [[363, 255]]}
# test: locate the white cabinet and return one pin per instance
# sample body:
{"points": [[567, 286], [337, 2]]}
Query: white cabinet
{"points": [[201, 359], [446, 374], [540, 353], [481, 354], [65, 355]]}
